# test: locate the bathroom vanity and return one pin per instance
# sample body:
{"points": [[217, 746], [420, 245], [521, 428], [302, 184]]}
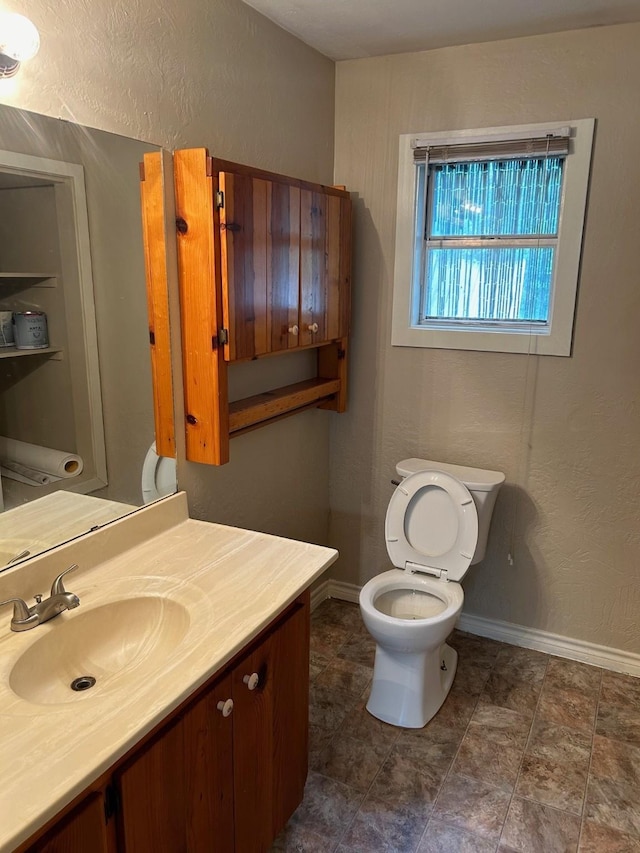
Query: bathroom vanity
{"points": [[195, 734]]}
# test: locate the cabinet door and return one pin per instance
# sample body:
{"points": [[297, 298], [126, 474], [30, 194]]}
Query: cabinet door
{"points": [[82, 830], [259, 240], [208, 750], [325, 248], [153, 796], [243, 245], [283, 265], [176, 794], [253, 750], [290, 677], [271, 732]]}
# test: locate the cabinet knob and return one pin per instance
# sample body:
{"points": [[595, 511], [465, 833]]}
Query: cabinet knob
{"points": [[313, 327], [225, 707], [293, 330], [252, 680]]}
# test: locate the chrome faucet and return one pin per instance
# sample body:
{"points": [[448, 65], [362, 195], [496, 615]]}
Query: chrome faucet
{"points": [[25, 617]]}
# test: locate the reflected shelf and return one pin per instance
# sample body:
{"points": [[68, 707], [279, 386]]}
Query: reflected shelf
{"points": [[12, 352], [33, 279]]}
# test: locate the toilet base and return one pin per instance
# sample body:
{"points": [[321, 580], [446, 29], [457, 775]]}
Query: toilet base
{"points": [[409, 688]]}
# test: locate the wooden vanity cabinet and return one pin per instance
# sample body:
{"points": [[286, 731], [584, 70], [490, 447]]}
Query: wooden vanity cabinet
{"points": [[206, 782], [84, 829], [177, 793]]}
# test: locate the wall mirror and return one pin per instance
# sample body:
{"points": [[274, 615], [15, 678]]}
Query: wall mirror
{"points": [[76, 406]]}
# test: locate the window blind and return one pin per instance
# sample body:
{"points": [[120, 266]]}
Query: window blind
{"points": [[496, 149]]}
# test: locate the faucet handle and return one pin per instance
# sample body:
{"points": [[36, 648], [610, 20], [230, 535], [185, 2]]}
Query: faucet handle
{"points": [[57, 587], [20, 609]]}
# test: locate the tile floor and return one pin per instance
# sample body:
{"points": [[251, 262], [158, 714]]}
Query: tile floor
{"points": [[530, 753]]}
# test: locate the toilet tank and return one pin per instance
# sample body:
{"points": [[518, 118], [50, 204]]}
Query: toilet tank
{"points": [[483, 486]]}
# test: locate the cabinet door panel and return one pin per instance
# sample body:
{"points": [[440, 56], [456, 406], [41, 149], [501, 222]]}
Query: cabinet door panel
{"points": [[209, 773], [243, 243], [290, 676], [313, 266], [152, 790], [324, 267], [252, 751], [283, 264], [83, 830]]}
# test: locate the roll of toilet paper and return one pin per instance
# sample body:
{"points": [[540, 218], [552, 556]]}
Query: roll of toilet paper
{"points": [[43, 459]]}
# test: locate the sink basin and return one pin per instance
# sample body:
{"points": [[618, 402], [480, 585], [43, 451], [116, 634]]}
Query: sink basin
{"points": [[124, 639]]}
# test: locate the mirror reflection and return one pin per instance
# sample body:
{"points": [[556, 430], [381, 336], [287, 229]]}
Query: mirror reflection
{"points": [[76, 410]]}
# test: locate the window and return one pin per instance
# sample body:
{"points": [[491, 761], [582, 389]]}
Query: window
{"points": [[488, 237]]}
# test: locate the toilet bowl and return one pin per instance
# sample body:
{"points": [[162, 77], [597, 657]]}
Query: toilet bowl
{"points": [[159, 477], [436, 526]]}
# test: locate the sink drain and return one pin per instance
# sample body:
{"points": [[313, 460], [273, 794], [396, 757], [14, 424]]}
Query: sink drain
{"points": [[83, 683]]}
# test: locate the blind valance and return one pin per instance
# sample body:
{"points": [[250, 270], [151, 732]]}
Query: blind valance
{"points": [[551, 145]]}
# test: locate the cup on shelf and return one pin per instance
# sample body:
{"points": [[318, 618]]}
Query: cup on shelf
{"points": [[30, 330]]}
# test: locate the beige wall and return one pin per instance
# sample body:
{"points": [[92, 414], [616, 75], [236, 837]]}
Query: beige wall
{"points": [[205, 73], [566, 431]]}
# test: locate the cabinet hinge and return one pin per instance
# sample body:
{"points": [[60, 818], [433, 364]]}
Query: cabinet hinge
{"points": [[111, 801], [220, 339], [219, 199]]}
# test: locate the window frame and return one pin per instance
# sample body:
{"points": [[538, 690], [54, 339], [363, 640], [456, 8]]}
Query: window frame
{"points": [[556, 337]]}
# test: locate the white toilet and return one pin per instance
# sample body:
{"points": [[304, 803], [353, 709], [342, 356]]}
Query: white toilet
{"points": [[159, 477], [437, 525]]}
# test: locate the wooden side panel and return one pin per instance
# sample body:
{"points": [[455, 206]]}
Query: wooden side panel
{"points": [[283, 264], [313, 267], [333, 364], [333, 282], [290, 672], [152, 790], [83, 830], [208, 747], [345, 270], [253, 752], [204, 366], [155, 233]]}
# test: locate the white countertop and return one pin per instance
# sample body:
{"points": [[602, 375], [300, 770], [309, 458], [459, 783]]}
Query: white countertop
{"points": [[47, 521], [233, 582]]}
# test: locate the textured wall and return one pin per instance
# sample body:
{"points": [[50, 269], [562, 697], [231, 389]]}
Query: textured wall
{"points": [[566, 431], [198, 72], [209, 73]]}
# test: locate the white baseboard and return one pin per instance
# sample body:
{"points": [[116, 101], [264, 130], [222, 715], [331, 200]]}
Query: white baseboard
{"points": [[617, 660]]}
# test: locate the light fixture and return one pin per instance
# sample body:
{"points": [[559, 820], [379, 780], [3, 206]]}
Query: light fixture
{"points": [[19, 40]]}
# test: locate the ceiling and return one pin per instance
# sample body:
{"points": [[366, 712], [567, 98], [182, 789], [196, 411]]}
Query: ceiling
{"points": [[352, 29]]}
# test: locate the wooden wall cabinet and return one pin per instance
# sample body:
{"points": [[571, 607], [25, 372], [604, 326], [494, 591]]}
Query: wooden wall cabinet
{"points": [[207, 782], [264, 268]]}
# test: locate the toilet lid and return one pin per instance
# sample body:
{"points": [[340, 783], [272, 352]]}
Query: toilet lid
{"points": [[432, 525], [158, 476]]}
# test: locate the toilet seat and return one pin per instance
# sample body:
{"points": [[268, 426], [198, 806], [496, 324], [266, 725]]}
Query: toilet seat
{"points": [[159, 477], [432, 525], [450, 594]]}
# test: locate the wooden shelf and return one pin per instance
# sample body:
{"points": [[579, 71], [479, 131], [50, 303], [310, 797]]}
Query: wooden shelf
{"points": [[30, 279], [12, 352], [272, 405]]}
